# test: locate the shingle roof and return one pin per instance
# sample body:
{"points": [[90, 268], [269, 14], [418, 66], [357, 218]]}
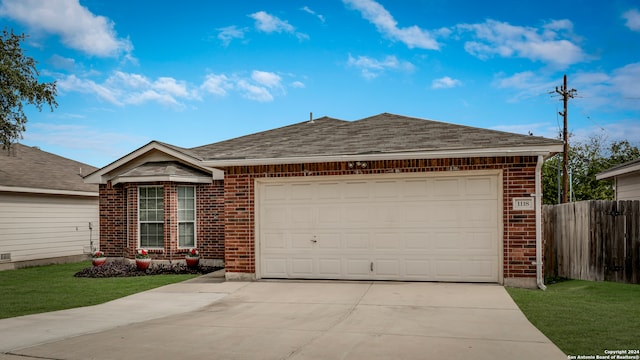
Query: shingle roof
{"points": [[383, 133], [29, 167]]}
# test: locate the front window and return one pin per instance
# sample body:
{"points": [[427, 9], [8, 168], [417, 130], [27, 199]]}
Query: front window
{"points": [[186, 216], [151, 216]]}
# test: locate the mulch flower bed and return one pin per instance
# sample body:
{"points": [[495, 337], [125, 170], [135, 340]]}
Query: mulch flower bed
{"points": [[124, 269]]}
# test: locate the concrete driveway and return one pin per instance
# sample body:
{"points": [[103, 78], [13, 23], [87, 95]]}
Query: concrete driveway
{"points": [[301, 320]]}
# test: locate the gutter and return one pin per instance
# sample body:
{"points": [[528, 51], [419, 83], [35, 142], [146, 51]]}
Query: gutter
{"points": [[18, 189], [538, 204]]}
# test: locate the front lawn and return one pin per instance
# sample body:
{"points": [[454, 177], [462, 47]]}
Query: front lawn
{"points": [[54, 287], [584, 317]]}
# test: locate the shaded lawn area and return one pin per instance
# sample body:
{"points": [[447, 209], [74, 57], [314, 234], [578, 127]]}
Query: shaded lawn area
{"points": [[53, 287], [584, 317]]}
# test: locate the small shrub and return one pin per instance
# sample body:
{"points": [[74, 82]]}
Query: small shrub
{"points": [[124, 269]]}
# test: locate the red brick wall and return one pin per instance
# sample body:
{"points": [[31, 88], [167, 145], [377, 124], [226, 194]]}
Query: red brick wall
{"points": [[112, 220], [518, 181], [117, 211]]}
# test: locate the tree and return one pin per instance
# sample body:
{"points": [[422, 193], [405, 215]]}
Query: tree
{"points": [[585, 161], [19, 86]]}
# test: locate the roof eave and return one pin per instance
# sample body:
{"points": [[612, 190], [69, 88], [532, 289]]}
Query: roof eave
{"points": [[18, 189], [544, 150], [159, 178], [617, 172]]}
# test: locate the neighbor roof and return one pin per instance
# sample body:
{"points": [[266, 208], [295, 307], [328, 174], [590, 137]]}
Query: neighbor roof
{"points": [[29, 169], [381, 134], [622, 169]]}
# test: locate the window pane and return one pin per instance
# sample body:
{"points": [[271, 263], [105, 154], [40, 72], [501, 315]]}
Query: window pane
{"points": [[186, 235], [151, 216]]}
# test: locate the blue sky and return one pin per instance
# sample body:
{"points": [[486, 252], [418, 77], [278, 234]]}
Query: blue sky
{"points": [[196, 72]]}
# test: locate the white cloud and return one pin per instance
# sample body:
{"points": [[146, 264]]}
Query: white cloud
{"points": [[254, 92], [372, 68], [308, 10], [77, 27], [73, 83], [267, 79], [633, 19], [297, 85], [549, 44], [122, 88], [260, 86], [615, 89], [227, 34], [132, 89], [269, 23], [217, 84], [445, 83], [413, 37]]}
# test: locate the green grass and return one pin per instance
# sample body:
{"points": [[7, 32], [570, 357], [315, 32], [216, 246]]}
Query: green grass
{"points": [[584, 317], [53, 287]]}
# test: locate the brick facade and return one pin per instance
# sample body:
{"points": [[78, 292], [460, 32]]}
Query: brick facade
{"points": [[518, 175], [119, 220], [226, 218]]}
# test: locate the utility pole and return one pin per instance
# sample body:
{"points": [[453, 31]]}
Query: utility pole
{"points": [[566, 94]]}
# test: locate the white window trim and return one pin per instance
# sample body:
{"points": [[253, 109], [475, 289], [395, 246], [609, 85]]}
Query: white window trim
{"points": [[156, 222], [195, 217]]}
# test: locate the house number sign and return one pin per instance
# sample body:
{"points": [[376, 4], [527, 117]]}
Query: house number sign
{"points": [[523, 203]]}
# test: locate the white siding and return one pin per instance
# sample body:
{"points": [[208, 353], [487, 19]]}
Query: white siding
{"points": [[628, 187], [36, 227]]}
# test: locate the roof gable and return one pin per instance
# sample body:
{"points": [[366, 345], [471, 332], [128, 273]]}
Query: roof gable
{"points": [[29, 168]]}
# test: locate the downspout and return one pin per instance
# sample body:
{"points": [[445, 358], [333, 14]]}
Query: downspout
{"points": [[538, 204]]}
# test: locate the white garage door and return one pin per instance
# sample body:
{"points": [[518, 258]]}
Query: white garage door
{"points": [[382, 227]]}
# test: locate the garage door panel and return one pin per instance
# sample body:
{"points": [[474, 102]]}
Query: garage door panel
{"points": [[301, 191], [302, 241], [276, 266], [399, 228], [273, 192], [481, 242], [480, 270], [417, 241], [330, 267], [302, 217], [416, 268], [416, 189], [354, 214], [389, 267], [356, 190], [448, 187], [274, 240], [329, 191], [356, 241], [329, 241], [448, 268], [387, 241], [302, 267]]}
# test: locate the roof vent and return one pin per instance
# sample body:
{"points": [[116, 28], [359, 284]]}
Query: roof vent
{"points": [[311, 118]]}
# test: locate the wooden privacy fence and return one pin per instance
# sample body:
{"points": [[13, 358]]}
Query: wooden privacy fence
{"points": [[593, 240]]}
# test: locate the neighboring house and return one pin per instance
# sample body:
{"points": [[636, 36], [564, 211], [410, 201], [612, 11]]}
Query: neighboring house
{"points": [[383, 198], [626, 180], [47, 213]]}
